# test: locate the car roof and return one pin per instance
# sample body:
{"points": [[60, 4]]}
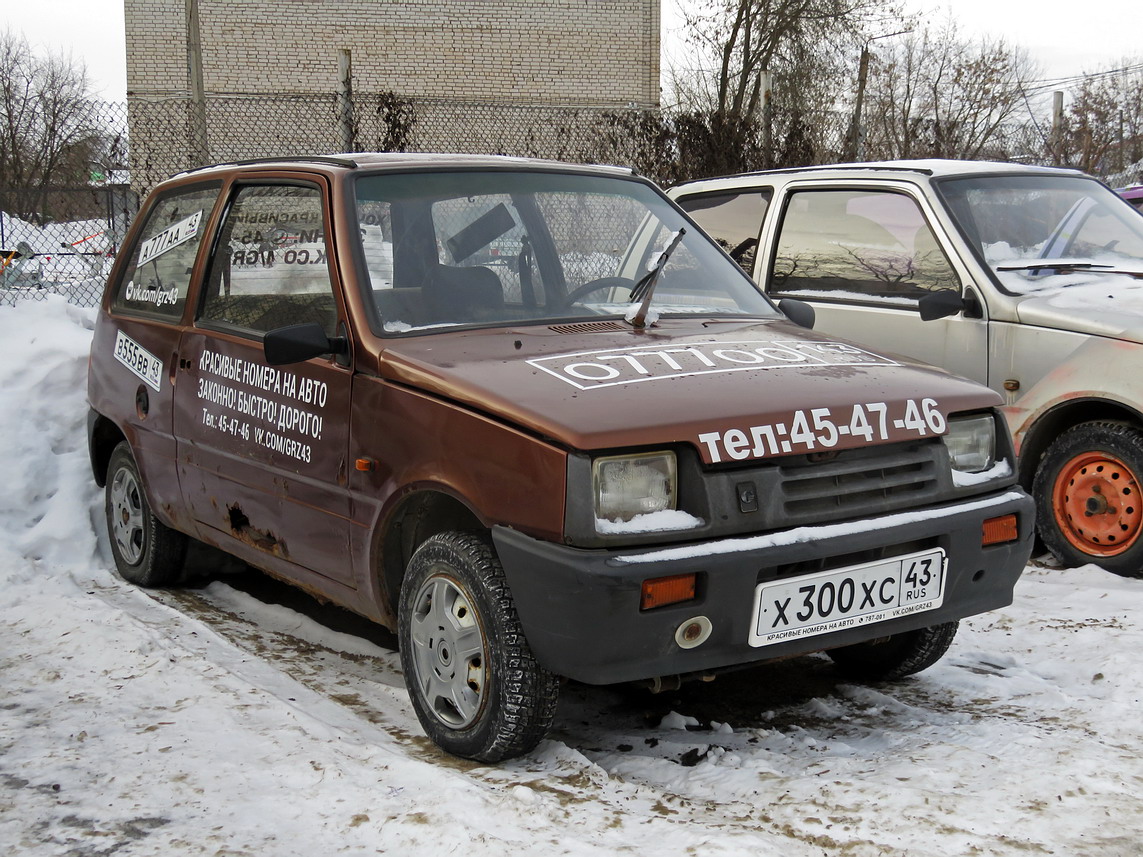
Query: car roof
{"points": [[404, 161], [932, 167]]}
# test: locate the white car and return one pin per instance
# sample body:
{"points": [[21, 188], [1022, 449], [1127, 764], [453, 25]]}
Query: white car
{"points": [[1028, 279]]}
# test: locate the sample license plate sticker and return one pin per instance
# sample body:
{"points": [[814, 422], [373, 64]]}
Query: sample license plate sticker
{"points": [[169, 238], [848, 598], [138, 359]]}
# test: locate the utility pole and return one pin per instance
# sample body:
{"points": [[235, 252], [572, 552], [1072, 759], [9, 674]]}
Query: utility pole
{"points": [[854, 149], [767, 87], [196, 121], [345, 99], [855, 139], [1057, 126]]}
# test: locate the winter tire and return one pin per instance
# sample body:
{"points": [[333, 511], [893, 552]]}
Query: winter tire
{"points": [[147, 552], [1089, 500], [897, 656], [472, 678]]}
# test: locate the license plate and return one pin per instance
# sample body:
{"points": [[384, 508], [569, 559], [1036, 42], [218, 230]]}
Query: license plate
{"points": [[848, 597]]}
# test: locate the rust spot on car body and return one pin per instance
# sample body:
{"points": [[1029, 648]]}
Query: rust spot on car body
{"points": [[261, 539]]}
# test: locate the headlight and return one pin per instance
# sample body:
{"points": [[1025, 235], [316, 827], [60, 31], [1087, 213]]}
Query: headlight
{"points": [[971, 443], [630, 485]]}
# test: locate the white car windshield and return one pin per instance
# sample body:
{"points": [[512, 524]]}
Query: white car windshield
{"points": [[500, 246], [1043, 233]]}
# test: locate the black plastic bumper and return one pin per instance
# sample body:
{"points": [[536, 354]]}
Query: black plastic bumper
{"points": [[580, 608]]}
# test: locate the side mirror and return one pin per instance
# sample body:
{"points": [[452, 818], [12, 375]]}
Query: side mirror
{"points": [[940, 304], [299, 342], [799, 312]]}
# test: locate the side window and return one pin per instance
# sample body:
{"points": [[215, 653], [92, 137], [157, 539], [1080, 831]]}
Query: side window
{"points": [[858, 245], [732, 219], [270, 268], [158, 275]]}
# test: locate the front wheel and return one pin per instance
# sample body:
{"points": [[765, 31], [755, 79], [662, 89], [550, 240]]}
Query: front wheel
{"points": [[896, 656], [474, 683], [1089, 500]]}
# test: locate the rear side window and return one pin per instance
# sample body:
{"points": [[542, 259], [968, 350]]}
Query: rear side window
{"points": [[159, 273], [270, 268], [732, 219]]}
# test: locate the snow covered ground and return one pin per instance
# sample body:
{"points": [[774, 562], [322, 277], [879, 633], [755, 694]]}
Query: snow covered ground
{"points": [[210, 721]]}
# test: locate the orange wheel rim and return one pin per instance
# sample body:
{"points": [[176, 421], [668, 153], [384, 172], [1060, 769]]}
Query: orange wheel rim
{"points": [[1097, 504]]}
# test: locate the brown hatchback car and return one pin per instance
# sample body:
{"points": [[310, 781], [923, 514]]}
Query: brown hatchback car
{"points": [[528, 416]]}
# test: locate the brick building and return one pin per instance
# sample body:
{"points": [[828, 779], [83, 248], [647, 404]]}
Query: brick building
{"points": [[290, 76]]}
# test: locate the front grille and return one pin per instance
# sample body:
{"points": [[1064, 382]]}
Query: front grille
{"points": [[824, 488], [857, 482]]}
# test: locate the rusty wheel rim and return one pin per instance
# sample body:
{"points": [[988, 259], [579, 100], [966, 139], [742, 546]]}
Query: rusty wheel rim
{"points": [[1097, 504]]}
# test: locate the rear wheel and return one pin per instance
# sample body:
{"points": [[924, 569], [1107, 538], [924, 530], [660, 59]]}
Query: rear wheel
{"points": [[474, 683], [1089, 499], [896, 656], [146, 551]]}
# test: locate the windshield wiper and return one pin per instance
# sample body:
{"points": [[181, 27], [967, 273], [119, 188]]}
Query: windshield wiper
{"points": [[1060, 264], [645, 288]]}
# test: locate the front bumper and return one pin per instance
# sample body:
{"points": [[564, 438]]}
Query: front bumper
{"points": [[580, 608]]}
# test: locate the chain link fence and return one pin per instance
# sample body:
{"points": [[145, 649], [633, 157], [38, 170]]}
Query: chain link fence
{"points": [[66, 245]]}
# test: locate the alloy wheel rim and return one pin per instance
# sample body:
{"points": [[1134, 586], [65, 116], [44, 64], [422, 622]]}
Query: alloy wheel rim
{"points": [[127, 516]]}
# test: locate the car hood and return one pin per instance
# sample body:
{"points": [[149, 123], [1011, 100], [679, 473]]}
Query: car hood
{"points": [[604, 385], [1098, 304]]}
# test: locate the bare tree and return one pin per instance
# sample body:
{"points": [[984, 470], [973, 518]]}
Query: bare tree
{"points": [[1102, 131], [800, 50], [48, 132], [936, 94]]}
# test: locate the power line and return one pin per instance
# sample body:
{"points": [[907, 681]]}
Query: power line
{"points": [[1057, 83]]}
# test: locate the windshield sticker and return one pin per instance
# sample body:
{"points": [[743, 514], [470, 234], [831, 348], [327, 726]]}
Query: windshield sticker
{"points": [[138, 359], [823, 429], [170, 238], [590, 370], [276, 409]]}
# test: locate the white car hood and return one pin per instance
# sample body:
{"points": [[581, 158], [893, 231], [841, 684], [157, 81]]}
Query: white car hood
{"points": [[1094, 303]]}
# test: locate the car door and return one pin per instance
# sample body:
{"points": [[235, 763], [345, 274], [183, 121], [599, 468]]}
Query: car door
{"points": [[864, 257], [262, 449]]}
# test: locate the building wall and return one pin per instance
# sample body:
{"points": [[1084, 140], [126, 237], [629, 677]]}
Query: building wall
{"points": [[557, 52]]}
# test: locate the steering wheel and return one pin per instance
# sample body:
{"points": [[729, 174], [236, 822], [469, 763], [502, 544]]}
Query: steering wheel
{"points": [[580, 292]]}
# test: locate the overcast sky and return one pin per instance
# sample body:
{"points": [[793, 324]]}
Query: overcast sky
{"points": [[1093, 35]]}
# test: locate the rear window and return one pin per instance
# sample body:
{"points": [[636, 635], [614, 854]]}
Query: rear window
{"points": [[158, 276]]}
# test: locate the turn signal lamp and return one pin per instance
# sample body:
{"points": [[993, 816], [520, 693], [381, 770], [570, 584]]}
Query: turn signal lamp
{"points": [[996, 531], [661, 591]]}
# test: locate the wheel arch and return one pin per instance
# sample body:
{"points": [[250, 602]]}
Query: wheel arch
{"points": [[103, 436], [1062, 417], [417, 517]]}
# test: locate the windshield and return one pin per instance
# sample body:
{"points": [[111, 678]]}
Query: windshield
{"points": [[1041, 233], [495, 247]]}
